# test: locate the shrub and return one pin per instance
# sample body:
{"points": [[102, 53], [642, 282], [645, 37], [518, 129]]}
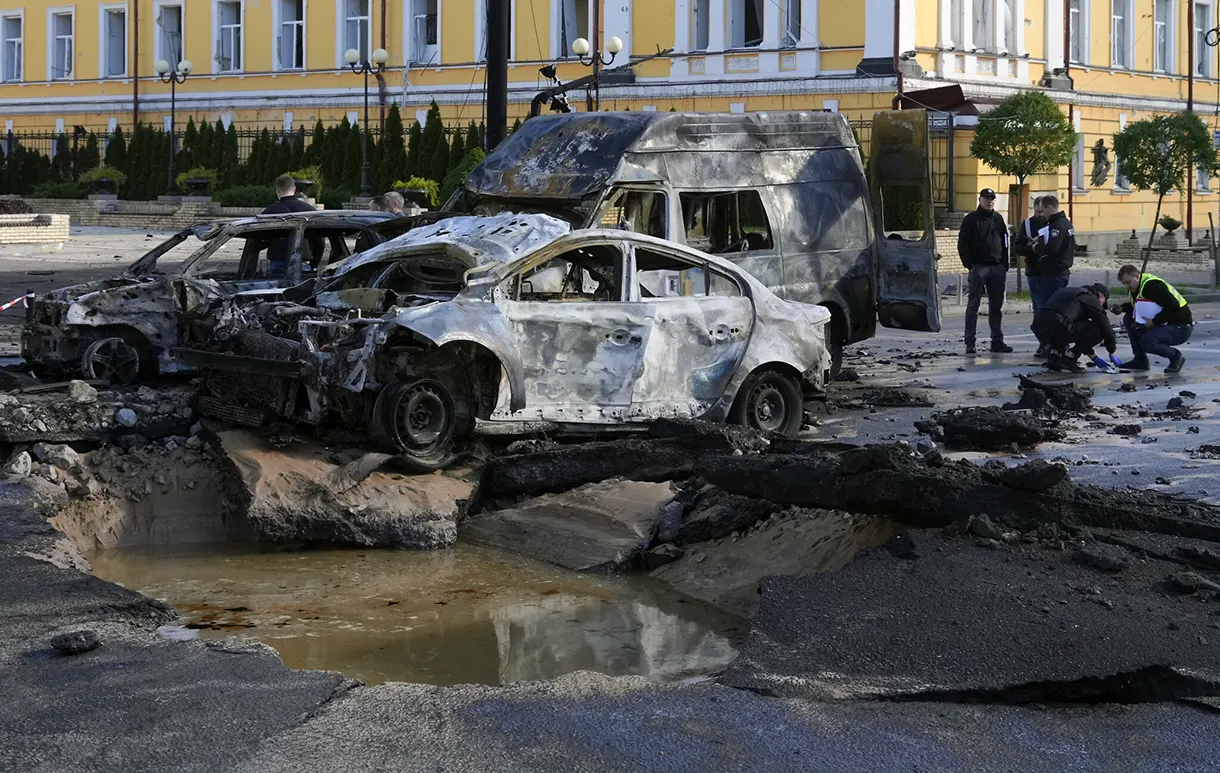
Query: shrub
{"points": [[198, 173], [311, 173], [104, 173], [15, 207], [59, 190], [430, 187], [336, 198], [458, 174], [245, 196]]}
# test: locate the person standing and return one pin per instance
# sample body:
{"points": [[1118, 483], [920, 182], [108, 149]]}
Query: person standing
{"points": [[1055, 248], [982, 245], [1157, 319], [394, 202], [280, 249], [1023, 246]]}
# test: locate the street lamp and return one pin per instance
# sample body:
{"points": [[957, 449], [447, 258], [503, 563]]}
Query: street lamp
{"points": [[591, 57], [352, 57], [173, 79]]}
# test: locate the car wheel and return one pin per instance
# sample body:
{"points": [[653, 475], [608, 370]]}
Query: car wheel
{"points": [[770, 401], [423, 420], [111, 359]]}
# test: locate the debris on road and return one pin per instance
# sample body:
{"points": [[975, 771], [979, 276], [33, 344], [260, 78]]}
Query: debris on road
{"points": [[988, 429]]}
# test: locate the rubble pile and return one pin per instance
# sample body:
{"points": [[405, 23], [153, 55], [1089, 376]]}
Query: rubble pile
{"points": [[1052, 399], [77, 411], [989, 429]]}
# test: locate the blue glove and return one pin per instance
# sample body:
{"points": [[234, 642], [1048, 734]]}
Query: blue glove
{"points": [[1118, 363], [1104, 365]]}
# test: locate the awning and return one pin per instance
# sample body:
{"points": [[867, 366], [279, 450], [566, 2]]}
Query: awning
{"points": [[944, 99]]}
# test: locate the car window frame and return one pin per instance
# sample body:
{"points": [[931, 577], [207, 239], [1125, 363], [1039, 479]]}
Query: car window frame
{"points": [[696, 261], [763, 195], [513, 271]]}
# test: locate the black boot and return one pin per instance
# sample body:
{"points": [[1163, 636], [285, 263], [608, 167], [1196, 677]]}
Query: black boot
{"points": [[1043, 351], [1068, 363], [1001, 348], [1139, 363], [1176, 363]]}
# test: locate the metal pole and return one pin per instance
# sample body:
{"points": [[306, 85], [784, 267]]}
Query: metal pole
{"points": [[1190, 107], [173, 105], [597, 53], [366, 182], [498, 33]]}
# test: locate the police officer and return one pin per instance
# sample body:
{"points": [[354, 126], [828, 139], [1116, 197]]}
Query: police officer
{"points": [[1071, 323], [1023, 245], [1157, 319], [982, 245], [1055, 248]]}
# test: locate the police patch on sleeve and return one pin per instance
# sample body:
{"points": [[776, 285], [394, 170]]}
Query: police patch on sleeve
{"points": [[1055, 233]]}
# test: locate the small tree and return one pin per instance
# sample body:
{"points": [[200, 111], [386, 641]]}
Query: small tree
{"points": [[434, 149], [1025, 135], [474, 137], [1160, 153], [116, 151], [392, 164], [415, 147]]}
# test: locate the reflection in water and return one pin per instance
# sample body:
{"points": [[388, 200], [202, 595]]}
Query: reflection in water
{"points": [[455, 616]]}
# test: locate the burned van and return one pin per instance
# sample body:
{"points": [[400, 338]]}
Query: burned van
{"points": [[783, 195]]}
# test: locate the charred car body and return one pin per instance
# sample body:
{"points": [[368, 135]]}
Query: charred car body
{"points": [[126, 326], [589, 329], [783, 195]]}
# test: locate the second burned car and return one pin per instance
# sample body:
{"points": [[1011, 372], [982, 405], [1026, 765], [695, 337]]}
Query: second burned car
{"points": [[579, 330]]}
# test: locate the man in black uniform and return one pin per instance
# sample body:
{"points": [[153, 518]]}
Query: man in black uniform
{"points": [[278, 251], [1056, 249], [982, 244], [1072, 322], [1023, 246]]}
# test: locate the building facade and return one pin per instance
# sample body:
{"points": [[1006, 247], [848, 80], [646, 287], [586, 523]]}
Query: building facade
{"points": [[279, 63]]}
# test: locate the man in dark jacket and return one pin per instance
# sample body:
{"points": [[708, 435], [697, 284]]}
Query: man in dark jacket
{"points": [[982, 244], [1071, 323], [279, 250], [1023, 246], [1157, 319], [1055, 248]]}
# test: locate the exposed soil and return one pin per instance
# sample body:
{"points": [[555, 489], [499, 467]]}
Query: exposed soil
{"points": [[989, 429]]}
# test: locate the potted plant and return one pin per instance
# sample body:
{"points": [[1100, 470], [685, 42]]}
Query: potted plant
{"points": [[1169, 224], [103, 181], [198, 182], [309, 182], [420, 191]]}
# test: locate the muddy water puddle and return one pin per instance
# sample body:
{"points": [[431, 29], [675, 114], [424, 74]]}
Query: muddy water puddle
{"points": [[462, 615]]}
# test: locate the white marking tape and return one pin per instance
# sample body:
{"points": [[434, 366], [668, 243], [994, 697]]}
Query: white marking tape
{"points": [[15, 301]]}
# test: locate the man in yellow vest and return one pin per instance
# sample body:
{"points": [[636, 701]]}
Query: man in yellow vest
{"points": [[1157, 319]]}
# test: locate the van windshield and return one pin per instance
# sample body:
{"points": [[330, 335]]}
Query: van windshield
{"points": [[467, 202]]}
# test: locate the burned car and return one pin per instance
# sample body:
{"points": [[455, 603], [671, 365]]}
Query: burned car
{"points": [[125, 327], [592, 330]]}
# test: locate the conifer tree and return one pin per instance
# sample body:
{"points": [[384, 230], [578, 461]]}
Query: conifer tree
{"points": [[393, 158], [116, 151], [474, 137], [415, 147], [434, 150]]}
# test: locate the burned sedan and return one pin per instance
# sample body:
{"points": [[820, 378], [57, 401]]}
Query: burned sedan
{"points": [[595, 329], [123, 327]]}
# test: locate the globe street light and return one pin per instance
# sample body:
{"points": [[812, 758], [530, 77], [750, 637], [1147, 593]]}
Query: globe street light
{"points": [[178, 75], [352, 57], [591, 57]]}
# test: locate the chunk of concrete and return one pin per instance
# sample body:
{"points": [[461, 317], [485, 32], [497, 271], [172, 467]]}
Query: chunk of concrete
{"points": [[717, 514], [61, 456], [596, 528], [298, 493], [80, 392], [20, 465]]}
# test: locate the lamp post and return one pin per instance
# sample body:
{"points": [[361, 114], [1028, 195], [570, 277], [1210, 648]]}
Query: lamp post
{"points": [[178, 75], [358, 65], [595, 59]]}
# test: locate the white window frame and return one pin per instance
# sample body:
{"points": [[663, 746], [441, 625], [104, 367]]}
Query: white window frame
{"points": [[480, 31], [561, 39], [737, 10], [1079, 17], [792, 21], [1122, 9], [219, 30], [341, 22], [19, 58], [1205, 55], [103, 56], [62, 10], [1168, 28], [700, 8], [280, 31], [426, 55], [159, 47], [1121, 183]]}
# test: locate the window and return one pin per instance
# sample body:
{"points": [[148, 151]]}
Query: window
{"points": [[1162, 32], [1078, 164], [574, 16], [1203, 52], [291, 42], [661, 276], [425, 38], [114, 42], [10, 68], [63, 46], [357, 28], [593, 273], [169, 39], [1009, 29], [1205, 176], [641, 212], [722, 223], [984, 28], [792, 23], [746, 23], [1078, 30], [701, 24], [1121, 183], [229, 37], [1120, 33]]}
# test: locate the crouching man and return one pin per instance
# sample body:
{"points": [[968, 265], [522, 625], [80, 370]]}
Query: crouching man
{"points": [[1157, 319], [1071, 323]]}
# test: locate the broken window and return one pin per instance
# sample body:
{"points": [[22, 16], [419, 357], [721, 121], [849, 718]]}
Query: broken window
{"points": [[62, 46], [357, 29], [663, 276], [641, 212], [169, 39], [746, 23], [229, 37], [792, 23], [700, 24], [722, 223], [1203, 25], [903, 211], [574, 16], [10, 69], [592, 273], [425, 45], [292, 35], [1162, 34], [1121, 42]]}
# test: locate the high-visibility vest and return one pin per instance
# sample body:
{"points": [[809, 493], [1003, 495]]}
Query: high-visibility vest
{"points": [[1146, 278]]}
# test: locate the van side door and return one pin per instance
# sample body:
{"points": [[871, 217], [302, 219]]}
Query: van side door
{"points": [[908, 293]]}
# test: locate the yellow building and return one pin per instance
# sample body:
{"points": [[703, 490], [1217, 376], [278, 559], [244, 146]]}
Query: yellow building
{"points": [[279, 63]]}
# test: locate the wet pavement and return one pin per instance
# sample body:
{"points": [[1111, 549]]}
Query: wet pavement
{"points": [[459, 616]]}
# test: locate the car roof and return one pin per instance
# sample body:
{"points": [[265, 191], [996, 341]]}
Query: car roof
{"points": [[321, 217]]}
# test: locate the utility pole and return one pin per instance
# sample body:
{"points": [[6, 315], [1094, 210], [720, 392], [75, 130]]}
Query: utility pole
{"points": [[597, 48], [498, 35], [1190, 107]]}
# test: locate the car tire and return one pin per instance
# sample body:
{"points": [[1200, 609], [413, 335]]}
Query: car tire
{"points": [[424, 420], [111, 359], [770, 401]]}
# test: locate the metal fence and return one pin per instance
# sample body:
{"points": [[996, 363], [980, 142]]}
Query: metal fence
{"points": [[941, 150]]}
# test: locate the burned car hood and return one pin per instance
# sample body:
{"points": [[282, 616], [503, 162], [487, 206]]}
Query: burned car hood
{"points": [[74, 293], [493, 239]]}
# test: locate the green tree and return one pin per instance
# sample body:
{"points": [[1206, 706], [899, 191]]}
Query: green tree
{"points": [[1025, 135], [415, 147], [116, 151], [353, 165], [188, 148], [458, 174], [1161, 153], [61, 164], [393, 158], [317, 144], [457, 151], [90, 156], [434, 150], [516, 126], [474, 137], [229, 156]]}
